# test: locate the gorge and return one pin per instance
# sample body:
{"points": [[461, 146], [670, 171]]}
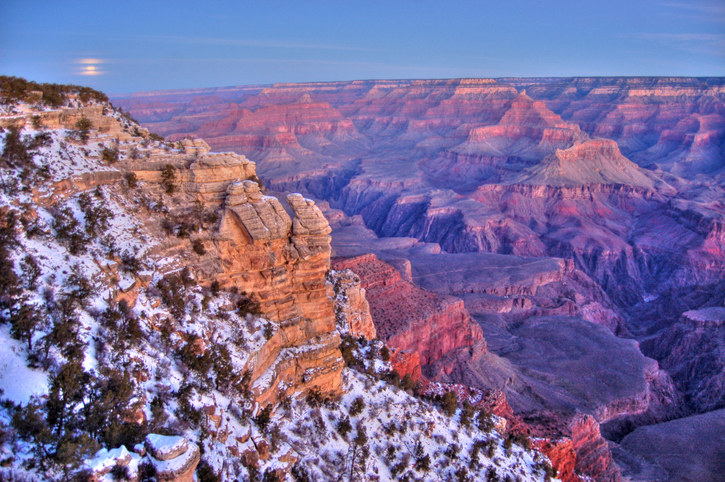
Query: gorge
{"points": [[559, 240]]}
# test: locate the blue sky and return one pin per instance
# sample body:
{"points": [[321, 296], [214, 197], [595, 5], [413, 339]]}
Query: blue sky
{"points": [[125, 46]]}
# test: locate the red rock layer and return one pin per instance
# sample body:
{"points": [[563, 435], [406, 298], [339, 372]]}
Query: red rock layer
{"points": [[411, 319]]}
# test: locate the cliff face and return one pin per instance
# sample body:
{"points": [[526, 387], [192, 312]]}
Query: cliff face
{"points": [[413, 320], [282, 262], [692, 351], [256, 247]]}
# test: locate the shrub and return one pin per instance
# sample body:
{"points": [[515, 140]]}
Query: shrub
{"points": [[408, 383], [466, 413], [15, 152], [357, 406], [24, 323], [246, 305], [423, 463], [343, 426], [168, 179], [268, 331], [67, 230], [200, 363], [31, 271], [215, 288], [198, 247], [96, 217], [347, 348], [131, 179], [449, 402], [109, 155], [484, 421], [83, 127], [263, 417], [385, 353], [222, 361]]}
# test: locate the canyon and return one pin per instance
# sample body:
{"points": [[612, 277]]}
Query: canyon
{"points": [[561, 240], [166, 318]]}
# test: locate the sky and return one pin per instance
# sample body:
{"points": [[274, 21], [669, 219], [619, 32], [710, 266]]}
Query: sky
{"points": [[127, 46]]}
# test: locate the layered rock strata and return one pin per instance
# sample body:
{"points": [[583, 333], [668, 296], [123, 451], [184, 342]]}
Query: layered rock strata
{"points": [[410, 319], [256, 247]]}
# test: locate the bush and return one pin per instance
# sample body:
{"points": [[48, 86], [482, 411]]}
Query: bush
{"points": [[247, 306], [357, 406], [24, 323], [67, 230], [385, 353], [83, 128], [449, 402], [205, 472], [263, 417], [343, 426], [15, 152], [168, 179], [109, 155], [215, 288], [268, 331], [198, 247], [131, 179]]}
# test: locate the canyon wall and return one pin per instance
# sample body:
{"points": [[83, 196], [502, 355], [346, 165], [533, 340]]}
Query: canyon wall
{"points": [[540, 208]]}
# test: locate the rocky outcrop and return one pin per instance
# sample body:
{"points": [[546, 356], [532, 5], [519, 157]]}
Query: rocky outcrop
{"points": [[693, 351], [408, 318], [562, 455], [575, 445], [277, 259], [352, 310], [174, 458], [593, 456], [282, 261]]}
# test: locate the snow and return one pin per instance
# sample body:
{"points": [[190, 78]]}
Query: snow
{"points": [[18, 382], [177, 463], [105, 460], [163, 446]]}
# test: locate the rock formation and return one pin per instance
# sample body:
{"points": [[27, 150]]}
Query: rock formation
{"points": [[413, 320]]}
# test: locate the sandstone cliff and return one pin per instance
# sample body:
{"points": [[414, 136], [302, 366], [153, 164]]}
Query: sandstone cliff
{"points": [[413, 320]]}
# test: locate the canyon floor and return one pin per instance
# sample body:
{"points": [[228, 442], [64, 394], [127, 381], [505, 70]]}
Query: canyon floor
{"points": [[562, 239]]}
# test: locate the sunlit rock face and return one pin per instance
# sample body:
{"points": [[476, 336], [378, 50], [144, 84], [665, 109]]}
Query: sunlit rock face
{"points": [[410, 319]]}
